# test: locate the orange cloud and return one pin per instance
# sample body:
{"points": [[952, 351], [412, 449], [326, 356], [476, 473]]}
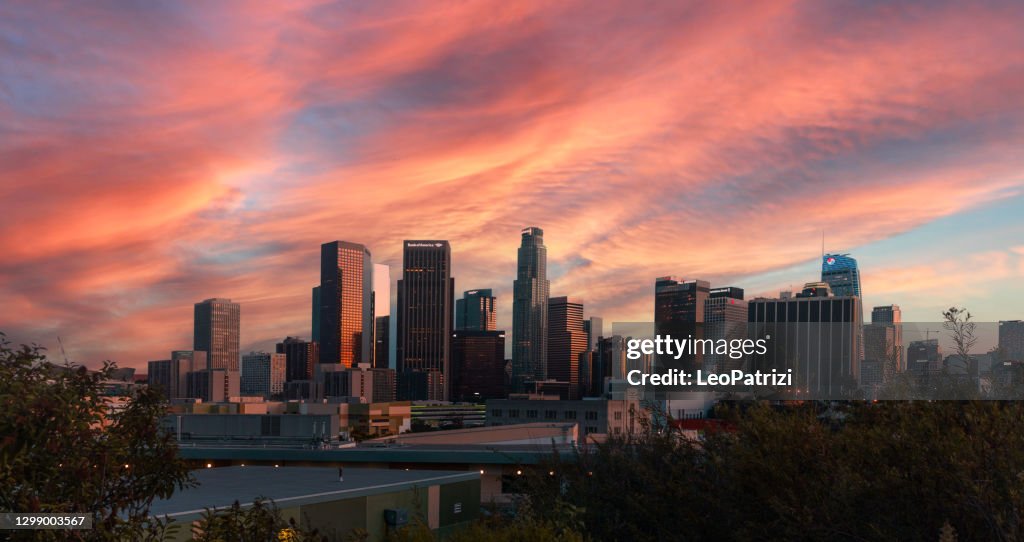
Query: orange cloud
{"points": [[154, 156]]}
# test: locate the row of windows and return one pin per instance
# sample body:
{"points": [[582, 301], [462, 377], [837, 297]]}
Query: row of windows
{"points": [[826, 310], [549, 414]]}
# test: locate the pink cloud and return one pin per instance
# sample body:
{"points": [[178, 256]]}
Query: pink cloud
{"points": [[156, 158]]}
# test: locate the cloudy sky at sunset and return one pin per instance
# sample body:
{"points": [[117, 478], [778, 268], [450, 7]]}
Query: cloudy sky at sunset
{"points": [[155, 154]]}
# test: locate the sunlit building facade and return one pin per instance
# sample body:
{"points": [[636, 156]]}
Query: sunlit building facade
{"points": [[567, 339], [346, 306], [217, 329]]}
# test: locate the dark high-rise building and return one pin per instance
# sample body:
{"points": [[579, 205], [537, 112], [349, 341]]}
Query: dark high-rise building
{"points": [[842, 275], [567, 339], [814, 334], [679, 301], [679, 313], [217, 330], [478, 365], [300, 356], [475, 311], [530, 293], [725, 318], [611, 361], [346, 305], [593, 327], [924, 356], [158, 376], [382, 337], [316, 315], [887, 314], [419, 385], [1011, 340], [426, 295], [591, 379]]}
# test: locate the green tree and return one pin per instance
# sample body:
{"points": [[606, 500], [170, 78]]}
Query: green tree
{"points": [[259, 522], [811, 471], [64, 448]]}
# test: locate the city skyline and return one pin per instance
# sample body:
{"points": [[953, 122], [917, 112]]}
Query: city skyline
{"points": [[159, 156], [268, 344]]}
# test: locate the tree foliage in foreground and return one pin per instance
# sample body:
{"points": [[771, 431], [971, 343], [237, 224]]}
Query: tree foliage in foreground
{"points": [[259, 522], [64, 449], [263, 522], [860, 471]]}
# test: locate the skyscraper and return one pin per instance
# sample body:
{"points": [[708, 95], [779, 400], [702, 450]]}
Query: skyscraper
{"points": [[530, 293], [300, 356], [841, 273], [263, 373], [883, 340], [1011, 340], [346, 306], [725, 318], [679, 313], [426, 295], [589, 363], [815, 334], [382, 348], [159, 376], [924, 356], [316, 315], [182, 363], [611, 361], [478, 365], [679, 301], [216, 331], [475, 311], [567, 339], [594, 327]]}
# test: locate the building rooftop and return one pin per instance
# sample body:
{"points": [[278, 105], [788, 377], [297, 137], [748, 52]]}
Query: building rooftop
{"points": [[292, 486], [542, 434], [438, 454]]}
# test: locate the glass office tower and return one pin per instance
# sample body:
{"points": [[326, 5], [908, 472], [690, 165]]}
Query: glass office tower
{"points": [[530, 293]]}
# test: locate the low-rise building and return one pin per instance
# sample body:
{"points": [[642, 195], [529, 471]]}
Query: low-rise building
{"points": [[371, 500], [596, 417]]}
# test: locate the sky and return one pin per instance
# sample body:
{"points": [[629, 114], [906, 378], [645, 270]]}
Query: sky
{"points": [[154, 154]]}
